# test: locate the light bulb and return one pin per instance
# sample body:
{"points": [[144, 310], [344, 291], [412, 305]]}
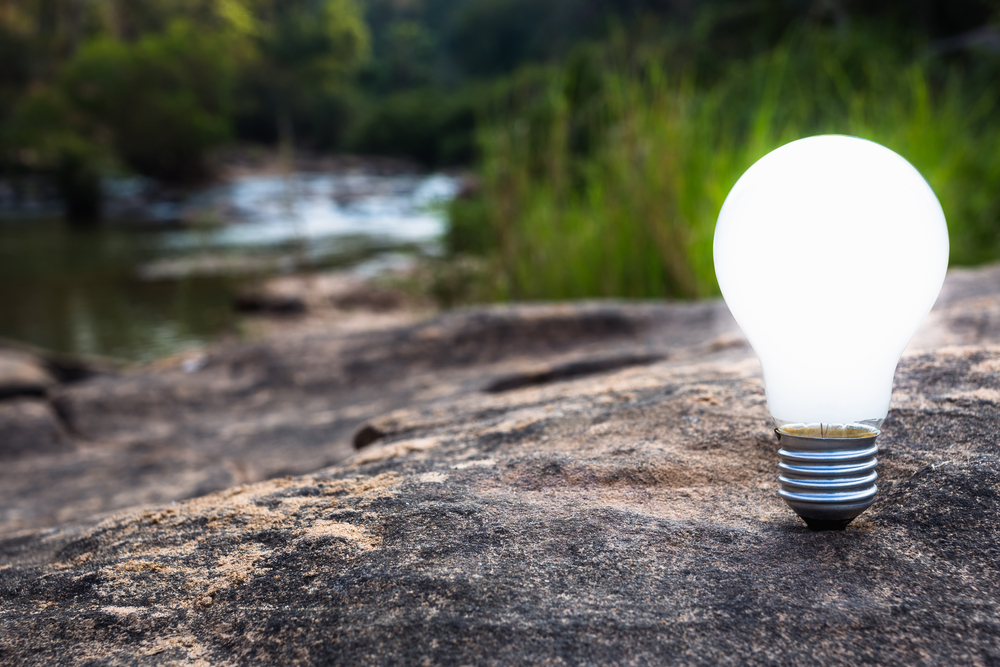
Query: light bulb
{"points": [[829, 252]]}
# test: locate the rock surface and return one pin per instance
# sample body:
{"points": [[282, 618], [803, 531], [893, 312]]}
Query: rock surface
{"points": [[577, 484], [291, 405], [29, 427], [23, 374]]}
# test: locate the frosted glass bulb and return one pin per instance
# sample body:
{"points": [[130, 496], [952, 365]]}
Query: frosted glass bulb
{"points": [[829, 251]]}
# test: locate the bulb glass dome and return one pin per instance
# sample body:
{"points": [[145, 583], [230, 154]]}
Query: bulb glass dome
{"points": [[829, 252]]}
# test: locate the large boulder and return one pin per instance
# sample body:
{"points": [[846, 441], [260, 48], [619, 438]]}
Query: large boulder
{"points": [[289, 405], [300, 400], [512, 504]]}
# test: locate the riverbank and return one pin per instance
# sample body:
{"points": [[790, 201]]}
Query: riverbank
{"points": [[162, 276]]}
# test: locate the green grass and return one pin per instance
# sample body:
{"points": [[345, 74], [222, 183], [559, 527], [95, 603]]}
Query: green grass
{"points": [[605, 177]]}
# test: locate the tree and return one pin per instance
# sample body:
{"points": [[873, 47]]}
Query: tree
{"points": [[146, 86], [163, 101], [305, 48]]}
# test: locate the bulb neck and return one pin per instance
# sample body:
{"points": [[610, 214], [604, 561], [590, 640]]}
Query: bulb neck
{"points": [[828, 481]]}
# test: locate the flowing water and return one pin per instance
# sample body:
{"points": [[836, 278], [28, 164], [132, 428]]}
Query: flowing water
{"points": [[145, 285]]}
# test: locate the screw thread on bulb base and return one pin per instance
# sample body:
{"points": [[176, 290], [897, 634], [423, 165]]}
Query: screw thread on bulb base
{"points": [[827, 481]]}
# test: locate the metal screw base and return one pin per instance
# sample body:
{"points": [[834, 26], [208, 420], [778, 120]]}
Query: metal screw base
{"points": [[827, 481]]}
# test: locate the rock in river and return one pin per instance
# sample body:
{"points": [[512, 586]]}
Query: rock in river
{"points": [[23, 374]]}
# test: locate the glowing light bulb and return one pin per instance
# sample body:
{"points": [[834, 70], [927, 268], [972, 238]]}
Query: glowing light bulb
{"points": [[829, 252]]}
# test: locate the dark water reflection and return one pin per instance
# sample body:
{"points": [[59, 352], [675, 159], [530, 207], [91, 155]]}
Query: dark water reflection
{"points": [[76, 291], [142, 291]]}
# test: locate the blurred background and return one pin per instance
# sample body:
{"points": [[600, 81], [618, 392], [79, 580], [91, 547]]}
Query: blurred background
{"points": [[159, 156]]}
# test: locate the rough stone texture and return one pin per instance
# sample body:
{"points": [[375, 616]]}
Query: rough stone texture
{"points": [[294, 402], [291, 405], [626, 518], [966, 313], [521, 501]]}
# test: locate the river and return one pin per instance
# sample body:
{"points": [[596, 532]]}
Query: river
{"points": [[160, 277]]}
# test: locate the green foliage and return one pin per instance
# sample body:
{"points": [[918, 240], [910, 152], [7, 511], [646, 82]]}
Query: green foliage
{"points": [[494, 36], [155, 106], [448, 46], [407, 55], [162, 101], [466, 232], [606, 180], [304, 51], [48, 134], [153, 86], [424, 124]]}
